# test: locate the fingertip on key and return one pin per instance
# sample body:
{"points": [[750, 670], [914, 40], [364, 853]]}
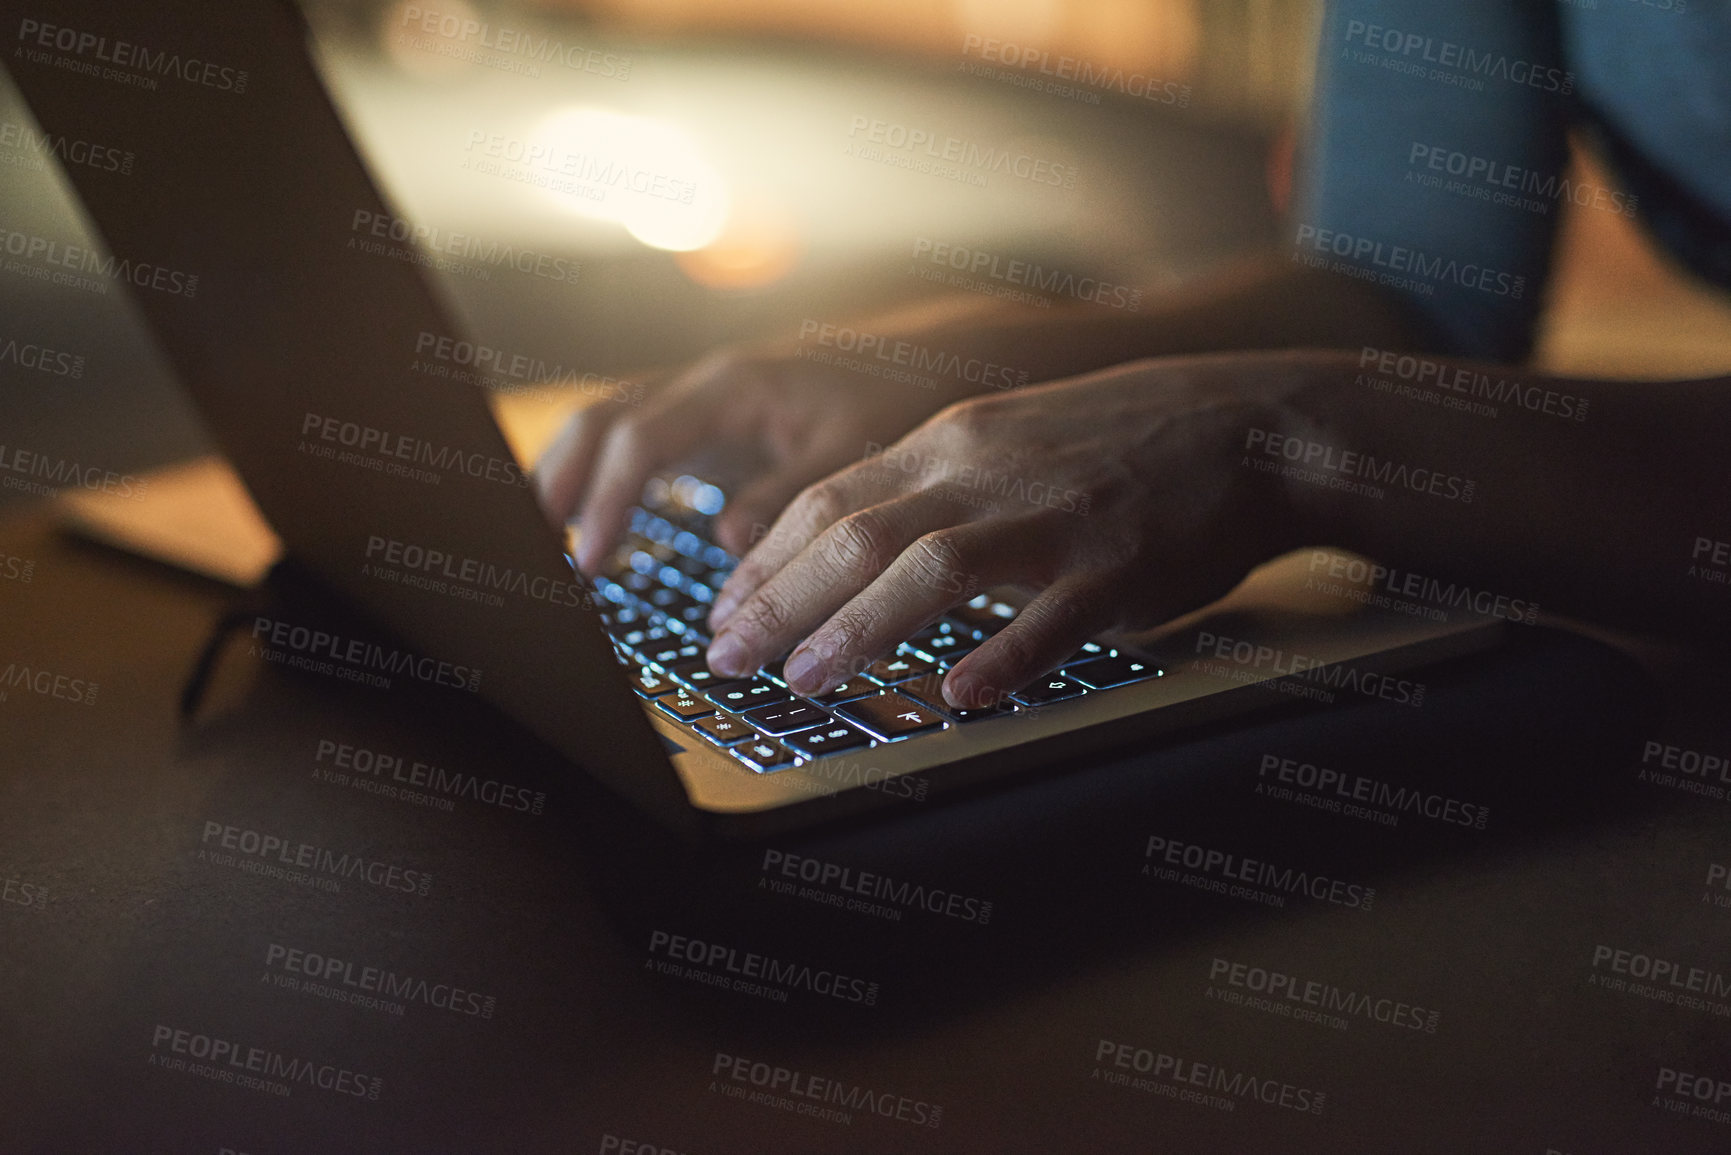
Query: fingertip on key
{"points": [[727, 657], [804, 673], [964, 692]]}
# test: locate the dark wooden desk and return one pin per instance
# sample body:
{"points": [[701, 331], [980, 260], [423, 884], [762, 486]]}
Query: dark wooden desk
{"points": [[499, 962]]}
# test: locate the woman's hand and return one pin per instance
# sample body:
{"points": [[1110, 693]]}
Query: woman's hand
{"points": [[802, 420], [1122, 498]]}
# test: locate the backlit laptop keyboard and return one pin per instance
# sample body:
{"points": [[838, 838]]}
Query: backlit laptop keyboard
{"points": [[654, 599]]}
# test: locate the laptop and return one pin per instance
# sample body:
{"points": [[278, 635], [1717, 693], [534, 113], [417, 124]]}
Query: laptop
{"points": [[397, 493]]}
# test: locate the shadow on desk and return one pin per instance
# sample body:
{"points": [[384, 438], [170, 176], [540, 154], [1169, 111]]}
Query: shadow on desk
{"points": [[1301, 814], [937, 908], [580, 918]]}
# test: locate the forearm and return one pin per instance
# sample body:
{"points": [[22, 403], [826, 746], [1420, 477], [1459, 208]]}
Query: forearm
{"points": [[1591, 498], [1259, 305]]}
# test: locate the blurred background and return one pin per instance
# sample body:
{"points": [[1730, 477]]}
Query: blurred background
{"points": [[749, 103], [1173, 117]]}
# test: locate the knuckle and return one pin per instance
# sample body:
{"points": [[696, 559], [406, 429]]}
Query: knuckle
{"points": [[970, 418], [859, 544], [852, 634], [765, 615], [818, 504], [938, 560], [628, 440]]}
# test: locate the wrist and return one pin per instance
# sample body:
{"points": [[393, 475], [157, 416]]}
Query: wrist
{"points": [[1303, 441]]}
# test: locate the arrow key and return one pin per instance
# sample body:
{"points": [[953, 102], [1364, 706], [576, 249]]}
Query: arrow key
{"points": [[891, 716], [1051, 688]]}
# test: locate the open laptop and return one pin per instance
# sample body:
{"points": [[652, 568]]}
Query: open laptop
{"points": [[397, 492]]}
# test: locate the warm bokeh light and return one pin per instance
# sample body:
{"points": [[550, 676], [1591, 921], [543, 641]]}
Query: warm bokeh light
{"points": [[760, 244], [649, 173], [1156, 36]]}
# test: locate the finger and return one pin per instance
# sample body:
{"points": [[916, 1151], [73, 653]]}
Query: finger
{"points": [[1051, 628], [840, 562], [748, 514], [817, 507], [939, 570], [633, 450], [563, 471]]}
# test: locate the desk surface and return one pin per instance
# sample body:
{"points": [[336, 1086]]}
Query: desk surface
{"points": [[494, 956]]}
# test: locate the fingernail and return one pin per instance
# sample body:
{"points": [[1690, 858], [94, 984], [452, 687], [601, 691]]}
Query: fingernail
{"points": [[963, 693], [727, 656], [804, 673]]}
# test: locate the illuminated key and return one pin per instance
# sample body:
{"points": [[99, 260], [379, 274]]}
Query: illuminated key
{"points": [[891, 716]]}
